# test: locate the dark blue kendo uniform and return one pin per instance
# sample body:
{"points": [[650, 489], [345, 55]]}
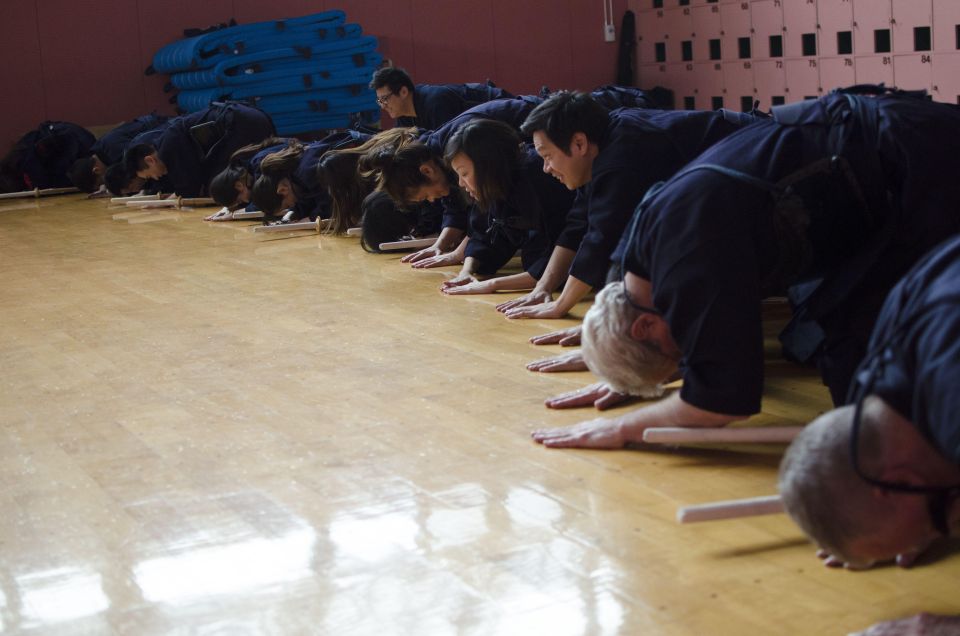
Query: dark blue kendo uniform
{"points": [[110, 147], [612, 97], [436, 105], [313, 200], [530, 219], [191, 164], [865, 186], [639, 148], [45, 155], [913, 361], [510, 111]]}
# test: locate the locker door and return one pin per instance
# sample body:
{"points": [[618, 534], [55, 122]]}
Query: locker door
{"points": [[803, 79], [834, 16], [770, 82], [738, 82], [908, 16], [705, 24], [650, 30], [766, 20], [869, 16], [799, 18], [836, 72], [913, 72], [946, 18], [946, 78], [874, 69], [735, 24]]}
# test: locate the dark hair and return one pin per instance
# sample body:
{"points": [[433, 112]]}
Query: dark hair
{"points": [[133, 157], [337, 171], [11, 177], [222, 186], [117, 179], [565, 113], [393, 78], [398, 169], [274, 168], [348, 182], [81, 174], [264, 195], [494, 149], [383, 221]]}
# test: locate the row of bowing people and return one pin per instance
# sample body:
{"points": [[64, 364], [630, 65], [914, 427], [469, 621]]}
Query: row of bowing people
{"points": [[683, 222]]}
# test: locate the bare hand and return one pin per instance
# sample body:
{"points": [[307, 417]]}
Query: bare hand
{"points": [[476, 287], [599, 395], [546, 310], [533, 298], [458, 280], [599, 433], [572, 361], [904, 560], [921, 624], [568, 337], [440, 260], [223, 214], [425, 253]]}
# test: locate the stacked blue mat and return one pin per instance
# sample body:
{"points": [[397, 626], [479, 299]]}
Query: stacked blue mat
{"points": [[308, 73]]}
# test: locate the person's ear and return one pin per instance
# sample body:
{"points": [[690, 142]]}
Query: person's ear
{"points": [[642, 327], [428, 170], [403, 92], [239, 186], [579, 144], [283, 187]]}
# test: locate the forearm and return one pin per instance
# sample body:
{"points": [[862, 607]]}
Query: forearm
{"points": [[670, 411], [469, 267], [573, 291], [557, 268], [514, 282], [449, 239]]}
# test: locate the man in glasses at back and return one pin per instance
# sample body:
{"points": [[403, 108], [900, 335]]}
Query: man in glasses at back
{"points": [[879, 478], [426, 105]]}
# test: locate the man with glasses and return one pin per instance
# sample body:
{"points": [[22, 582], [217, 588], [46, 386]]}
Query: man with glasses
{"points": [[842, 194], [425, 105], [879, 478]]}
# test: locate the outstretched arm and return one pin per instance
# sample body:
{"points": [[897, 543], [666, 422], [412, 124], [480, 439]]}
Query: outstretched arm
{"points": [[514, 282], [628, 428], [553, 275], [573, 291], [569, 337], [450, 237], [572, 361]]}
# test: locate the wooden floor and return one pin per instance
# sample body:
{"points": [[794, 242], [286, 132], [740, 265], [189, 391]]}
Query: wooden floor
{"points": [[209, 431]]}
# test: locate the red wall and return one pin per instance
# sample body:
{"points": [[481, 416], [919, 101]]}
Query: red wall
{"points": [[84, 61]]}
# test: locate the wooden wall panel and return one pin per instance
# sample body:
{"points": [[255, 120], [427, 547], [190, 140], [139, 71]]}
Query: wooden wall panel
{"points": [[533, 44], [94, 94], [22, 103], [454, 42]]}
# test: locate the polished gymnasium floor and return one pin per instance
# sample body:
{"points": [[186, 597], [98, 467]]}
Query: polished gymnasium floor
{"points": [[210, 431]]}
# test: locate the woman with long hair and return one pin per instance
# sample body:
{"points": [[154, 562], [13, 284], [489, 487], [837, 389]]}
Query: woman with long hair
{"points": [[231, 187], [518, 207], [415, 172]]}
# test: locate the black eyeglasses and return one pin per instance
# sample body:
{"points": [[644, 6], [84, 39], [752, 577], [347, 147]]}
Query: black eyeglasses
{"points": [[638, 306], [631, 234], [940, 496], [383, 99]]}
